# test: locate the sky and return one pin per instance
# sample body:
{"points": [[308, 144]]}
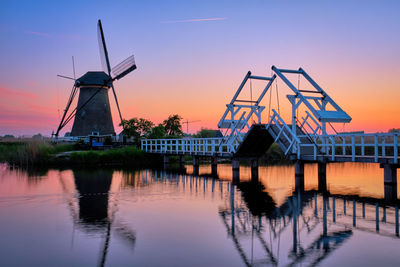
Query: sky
{"points": [[192, 55]]}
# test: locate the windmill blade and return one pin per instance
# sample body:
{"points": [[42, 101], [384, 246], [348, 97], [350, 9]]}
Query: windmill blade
{"points": [[106, 62], [63, 120], [103, 49], [124, 68], [65, 77], [116, 102]]}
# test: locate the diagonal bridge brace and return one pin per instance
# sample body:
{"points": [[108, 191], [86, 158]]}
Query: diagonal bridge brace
{"points": [[322, 99], [231, 121]]}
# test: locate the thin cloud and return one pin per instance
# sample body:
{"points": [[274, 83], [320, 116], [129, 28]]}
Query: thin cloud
{"points": [[192, 20], [8, 93], [42, 34]]}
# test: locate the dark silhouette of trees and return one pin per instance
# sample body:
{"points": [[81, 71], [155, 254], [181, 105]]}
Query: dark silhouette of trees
{"points": [[173, 125], [157, 132], [208, 133], [142, 128], [136, 128]]}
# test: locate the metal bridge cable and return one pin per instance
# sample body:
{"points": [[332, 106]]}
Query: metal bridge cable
{"points": [[270, 94], [251, 93], [277, 98], [251, 99], [333, 127], [337, 134], [269, 106], [298, 87]]}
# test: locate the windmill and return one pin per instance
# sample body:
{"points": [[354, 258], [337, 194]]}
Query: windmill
{"points": [[92, 114]]}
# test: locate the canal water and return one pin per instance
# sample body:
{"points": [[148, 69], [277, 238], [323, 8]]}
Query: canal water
{"points": [[104, 217]]}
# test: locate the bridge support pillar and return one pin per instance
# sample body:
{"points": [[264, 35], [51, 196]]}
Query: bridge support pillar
{"points": [[214, 166], [182, 162], [254, 170], [299, 175], [390, 180], [322, 177], [195, 165], [390, 193], [389, 173], [165, 161], [235, 170]]}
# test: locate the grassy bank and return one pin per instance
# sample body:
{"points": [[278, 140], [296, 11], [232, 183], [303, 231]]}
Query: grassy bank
{"points": [[31, 152], [45, 154], [126, 156], [274, 155], [37, 153]]}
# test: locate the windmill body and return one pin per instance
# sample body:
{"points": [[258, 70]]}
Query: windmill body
{"points": [[94, 118]]}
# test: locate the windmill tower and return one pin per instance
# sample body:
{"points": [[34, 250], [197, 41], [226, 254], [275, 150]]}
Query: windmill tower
{"points": [[92, 114]]}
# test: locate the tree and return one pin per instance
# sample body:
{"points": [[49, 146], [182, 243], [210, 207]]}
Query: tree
{"points": [[157, 132], [208, 133], [136, 128], [173, 125]]}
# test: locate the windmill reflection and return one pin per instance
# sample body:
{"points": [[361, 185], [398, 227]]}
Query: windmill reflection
{"points": [[96, 208]]}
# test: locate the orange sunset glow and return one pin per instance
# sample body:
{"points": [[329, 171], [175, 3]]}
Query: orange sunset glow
{"points": [[191, 60]]}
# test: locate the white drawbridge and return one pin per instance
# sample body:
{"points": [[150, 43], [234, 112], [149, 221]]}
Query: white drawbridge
{"points": [[304, 138]]}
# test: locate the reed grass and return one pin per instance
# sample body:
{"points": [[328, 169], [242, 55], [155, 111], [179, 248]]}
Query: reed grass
{"points": [[40, 153], [30, 152], [129, 156]]}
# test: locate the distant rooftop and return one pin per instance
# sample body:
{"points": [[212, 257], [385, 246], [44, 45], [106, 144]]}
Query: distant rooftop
{"points": [[97, 78]]}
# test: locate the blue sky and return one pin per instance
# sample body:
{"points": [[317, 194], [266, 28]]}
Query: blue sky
{"points": [[348, 45]]}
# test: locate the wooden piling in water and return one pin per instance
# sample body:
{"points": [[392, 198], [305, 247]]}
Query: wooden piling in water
{"points": [[235, 170], [322, 177], [196, 165], [254, 170]]}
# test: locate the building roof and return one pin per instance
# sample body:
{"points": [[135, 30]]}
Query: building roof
{"points": [[97, 78]]}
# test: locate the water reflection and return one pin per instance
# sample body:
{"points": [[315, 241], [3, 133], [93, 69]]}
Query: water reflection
{"points": [[316, 221], [95, 214], [271, 222], [319, 223]]}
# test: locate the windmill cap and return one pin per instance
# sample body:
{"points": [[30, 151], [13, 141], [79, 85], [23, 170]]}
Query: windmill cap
{"points": [[94, 78]]}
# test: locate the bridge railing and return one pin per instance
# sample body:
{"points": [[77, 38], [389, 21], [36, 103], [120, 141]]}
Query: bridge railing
{"points": [[284, 134], [197, 146], [374, 146], [310, 125]]}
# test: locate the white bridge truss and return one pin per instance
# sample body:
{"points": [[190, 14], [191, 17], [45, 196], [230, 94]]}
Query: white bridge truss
{"points": [[305, 138], [237, 117]]}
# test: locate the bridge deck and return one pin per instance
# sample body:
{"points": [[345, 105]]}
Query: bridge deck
{"points": [[348, 158], [368, 148]]}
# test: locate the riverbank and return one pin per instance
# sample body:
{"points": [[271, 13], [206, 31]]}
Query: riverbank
{"points": [[39, 153], [47, 154]]}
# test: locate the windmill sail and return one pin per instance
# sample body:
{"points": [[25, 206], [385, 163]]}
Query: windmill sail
{"points": [[124, 68], [105, 62]]}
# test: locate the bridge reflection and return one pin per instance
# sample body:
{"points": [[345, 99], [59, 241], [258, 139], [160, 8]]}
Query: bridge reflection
{"points": [[317, 221]]}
